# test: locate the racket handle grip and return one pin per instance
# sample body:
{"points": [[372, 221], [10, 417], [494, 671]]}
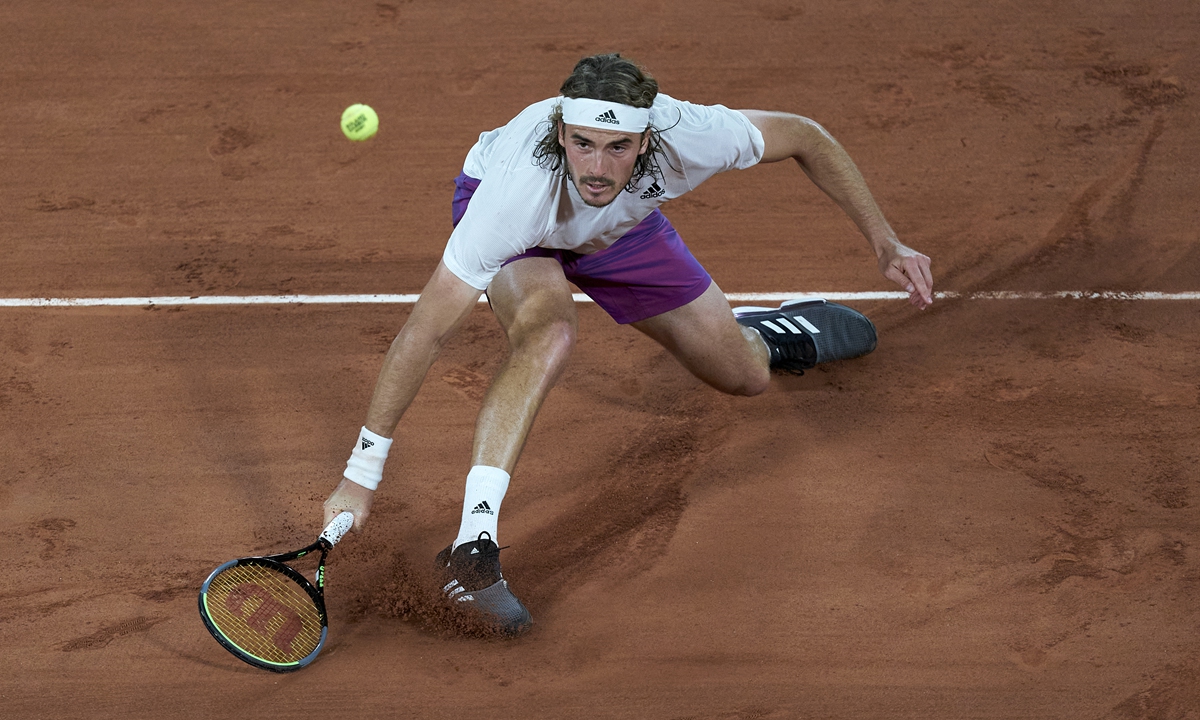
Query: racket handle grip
{"points": [[339, 527]]}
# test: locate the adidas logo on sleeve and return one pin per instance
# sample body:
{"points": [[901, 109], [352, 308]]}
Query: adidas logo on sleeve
{"points": [[608, 116], [653, 191]]}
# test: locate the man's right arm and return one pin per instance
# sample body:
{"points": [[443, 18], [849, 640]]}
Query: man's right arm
{"points": [[444, 304]]}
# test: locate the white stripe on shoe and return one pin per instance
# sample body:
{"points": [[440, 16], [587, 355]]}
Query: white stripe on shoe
{"points": [[795, 330], [807, 325]]}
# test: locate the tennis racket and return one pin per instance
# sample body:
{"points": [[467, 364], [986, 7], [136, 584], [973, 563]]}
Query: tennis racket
{"points": [[267, 613]]}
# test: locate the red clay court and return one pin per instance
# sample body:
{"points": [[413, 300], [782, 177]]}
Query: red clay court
{"points": [[995, 515]]}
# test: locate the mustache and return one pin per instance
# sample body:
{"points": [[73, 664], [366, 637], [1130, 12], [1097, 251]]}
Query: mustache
{"points": [[594, 180]]}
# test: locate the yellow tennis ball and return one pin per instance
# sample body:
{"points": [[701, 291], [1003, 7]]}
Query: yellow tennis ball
{"points": [[360, 122]]}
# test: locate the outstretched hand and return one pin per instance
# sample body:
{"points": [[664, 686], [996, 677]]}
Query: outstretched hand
{"points": [[351, 497], [910, 270]]}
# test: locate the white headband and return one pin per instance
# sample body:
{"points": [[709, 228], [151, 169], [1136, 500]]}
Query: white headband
{"points": [[604, 115]]}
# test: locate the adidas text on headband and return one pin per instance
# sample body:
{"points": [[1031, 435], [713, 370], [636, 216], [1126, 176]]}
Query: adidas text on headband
{"points": [[604, 115]]}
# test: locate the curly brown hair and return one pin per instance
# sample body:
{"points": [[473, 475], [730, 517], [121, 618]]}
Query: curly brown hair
{"points": [[614, 79]]}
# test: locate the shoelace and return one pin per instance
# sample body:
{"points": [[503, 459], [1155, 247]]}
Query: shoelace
{"points": [[489, 551]]}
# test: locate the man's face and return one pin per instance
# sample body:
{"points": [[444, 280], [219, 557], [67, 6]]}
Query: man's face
{"points": [[600, 162]]}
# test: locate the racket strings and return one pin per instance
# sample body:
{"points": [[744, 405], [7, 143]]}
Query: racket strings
{"points": [[265, 613]]}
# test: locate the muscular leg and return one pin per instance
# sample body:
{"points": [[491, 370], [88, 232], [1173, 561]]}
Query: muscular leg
{"points": [[532, 300], [704, 336]]}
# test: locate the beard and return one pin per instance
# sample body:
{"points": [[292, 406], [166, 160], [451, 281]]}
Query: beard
{"points": [[595, 180]]}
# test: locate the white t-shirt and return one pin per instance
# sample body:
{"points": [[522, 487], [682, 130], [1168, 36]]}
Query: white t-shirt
{"points": [[519, 205]]}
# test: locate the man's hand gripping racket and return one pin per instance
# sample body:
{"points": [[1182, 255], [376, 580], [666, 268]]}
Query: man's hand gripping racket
{"points": [[267, 613]]}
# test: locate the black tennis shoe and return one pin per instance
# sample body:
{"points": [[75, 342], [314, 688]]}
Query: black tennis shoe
{"points": [[802, 333], [472, 577]]}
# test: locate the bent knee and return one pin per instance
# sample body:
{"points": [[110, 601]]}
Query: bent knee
{"points": [[756, 386], [559, 339], [554, 338], [751, 384]]}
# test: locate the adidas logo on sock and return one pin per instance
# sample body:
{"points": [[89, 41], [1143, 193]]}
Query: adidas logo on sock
{"points": [[608, 116], [653, 191], [367, 443], [483, 507]]}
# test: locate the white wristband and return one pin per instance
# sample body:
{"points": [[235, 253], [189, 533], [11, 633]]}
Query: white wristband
{"points": [[365, 465]]}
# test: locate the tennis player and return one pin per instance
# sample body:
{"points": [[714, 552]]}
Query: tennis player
{"points": [[569, 192]]}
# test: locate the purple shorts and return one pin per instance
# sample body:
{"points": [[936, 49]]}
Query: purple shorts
{"points": [[649, 271]]}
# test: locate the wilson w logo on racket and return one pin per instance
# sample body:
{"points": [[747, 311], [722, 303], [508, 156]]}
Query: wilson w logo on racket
{"points": [[266, 610], [266, 613]]}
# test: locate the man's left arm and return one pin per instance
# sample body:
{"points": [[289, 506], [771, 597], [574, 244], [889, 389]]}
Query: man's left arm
{"points": [[829, 167]]}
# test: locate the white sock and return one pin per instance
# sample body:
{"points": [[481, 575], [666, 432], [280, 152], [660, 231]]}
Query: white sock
{"points": [[481, 505]]}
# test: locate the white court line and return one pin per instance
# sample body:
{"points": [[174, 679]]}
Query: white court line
{"points": [[579, 297]]}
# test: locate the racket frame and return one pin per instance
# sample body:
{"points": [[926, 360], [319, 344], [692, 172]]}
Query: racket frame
{"points": [[276, 563]]}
